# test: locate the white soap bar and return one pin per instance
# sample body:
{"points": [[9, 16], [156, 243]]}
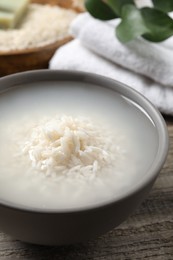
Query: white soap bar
{"points": [[11, 12], [6, 20]]}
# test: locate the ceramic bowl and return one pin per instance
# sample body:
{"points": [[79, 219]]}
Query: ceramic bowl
{"points": [[59, 227]]}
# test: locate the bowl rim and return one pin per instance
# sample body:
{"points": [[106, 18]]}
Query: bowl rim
{"points": [[52, 45], [146, 107]]}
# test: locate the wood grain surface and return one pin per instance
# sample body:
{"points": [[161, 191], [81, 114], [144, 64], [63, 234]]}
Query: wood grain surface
{"points": [[147, 234]]}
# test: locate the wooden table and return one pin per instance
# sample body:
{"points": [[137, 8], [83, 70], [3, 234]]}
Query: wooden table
{"points": [[147, 234]]}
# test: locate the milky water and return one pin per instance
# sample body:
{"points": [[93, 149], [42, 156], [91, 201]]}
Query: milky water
{"points": [[23, 107]]}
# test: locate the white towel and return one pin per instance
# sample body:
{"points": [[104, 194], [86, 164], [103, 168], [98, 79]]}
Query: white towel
{"points": [[152, 60], [74, 56]]}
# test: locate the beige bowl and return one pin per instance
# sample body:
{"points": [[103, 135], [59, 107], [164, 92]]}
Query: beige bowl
{"points": [[32, 58]]}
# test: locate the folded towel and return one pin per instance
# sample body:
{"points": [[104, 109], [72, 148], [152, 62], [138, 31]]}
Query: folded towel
{"points": [[74, 56], [152, 60]]}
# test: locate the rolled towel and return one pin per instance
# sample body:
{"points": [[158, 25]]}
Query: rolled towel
{"points": [[152, 60], [74, 56]]}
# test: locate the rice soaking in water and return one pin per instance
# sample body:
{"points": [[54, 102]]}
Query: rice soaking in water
{"points": [[71, 145]]}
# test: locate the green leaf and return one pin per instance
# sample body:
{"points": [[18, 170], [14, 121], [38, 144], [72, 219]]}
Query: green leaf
{"points": [[117, 5], [160, 25], [100, 10], [163, 5], [132, 24]]}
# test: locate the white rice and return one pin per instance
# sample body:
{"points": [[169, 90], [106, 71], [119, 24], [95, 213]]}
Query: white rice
{"points": [[71, 146], [42, 25], [63, 161]]}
